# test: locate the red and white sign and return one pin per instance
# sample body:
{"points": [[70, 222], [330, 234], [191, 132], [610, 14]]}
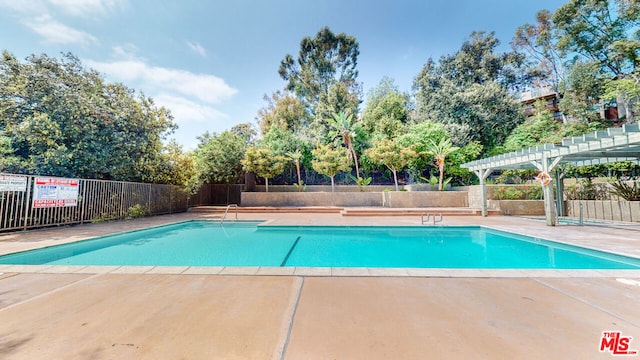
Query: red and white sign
{"points": [[13, 183], [617, 344], [55, 192]]}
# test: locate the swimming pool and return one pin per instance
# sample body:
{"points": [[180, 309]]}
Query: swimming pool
{"points": [[206, 243]]}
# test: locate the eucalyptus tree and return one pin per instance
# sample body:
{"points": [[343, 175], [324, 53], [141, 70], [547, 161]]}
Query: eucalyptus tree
{"points": [[604, 32], [322, 61], [539, 42]]}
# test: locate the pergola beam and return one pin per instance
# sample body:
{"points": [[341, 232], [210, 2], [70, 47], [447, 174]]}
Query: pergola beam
{"points": [[600, 147]]}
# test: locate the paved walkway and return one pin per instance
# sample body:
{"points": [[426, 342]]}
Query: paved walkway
{"points": [[150, 313]]}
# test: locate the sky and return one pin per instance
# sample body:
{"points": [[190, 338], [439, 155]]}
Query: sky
{"points": [[212, 61]]}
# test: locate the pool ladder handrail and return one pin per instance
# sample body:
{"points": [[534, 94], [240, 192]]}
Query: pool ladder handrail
{"points": [[224, 217], [429, 215]]}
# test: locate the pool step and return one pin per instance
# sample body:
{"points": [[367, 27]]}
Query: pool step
{"points": [[355, 211], [269, 209], [414, 211]]}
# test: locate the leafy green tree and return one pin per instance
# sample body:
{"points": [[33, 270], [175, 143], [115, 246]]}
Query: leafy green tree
{"points": [[338, 100], [176, 166], [63, 120], [322, 61], [284, 111], [329, 161], [344, 127], [418, 137], [392, 155], [602, 31], [440, 150], [386, 114], [582, 92], [218, 158], [264, 162], [465, 154], [470, 91]]}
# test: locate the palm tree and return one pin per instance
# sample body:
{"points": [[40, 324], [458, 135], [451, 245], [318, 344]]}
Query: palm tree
{"points": [[440, 150], [295, 156], [345, 128]]}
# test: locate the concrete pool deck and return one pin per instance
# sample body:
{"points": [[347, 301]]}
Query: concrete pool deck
{"points": [[305, 313]]}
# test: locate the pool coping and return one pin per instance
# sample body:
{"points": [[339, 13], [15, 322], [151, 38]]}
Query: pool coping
{"points": [[328, 271], [320, 272]]}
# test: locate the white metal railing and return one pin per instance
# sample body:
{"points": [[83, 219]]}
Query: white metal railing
{"points": [[431, 216], [224, 217], [98, 200]]}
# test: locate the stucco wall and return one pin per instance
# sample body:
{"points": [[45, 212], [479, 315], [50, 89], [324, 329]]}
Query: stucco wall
{"points": [[400, 199], [517, 207]]}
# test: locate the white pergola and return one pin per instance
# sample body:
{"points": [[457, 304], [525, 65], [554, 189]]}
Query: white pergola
{"points": [[600, 147]]}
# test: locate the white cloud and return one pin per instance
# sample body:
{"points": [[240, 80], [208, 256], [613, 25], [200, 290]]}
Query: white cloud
{"points": [[207, 88], [197, 48], [187, 111], [56, 32], [87, 7], [192, 118]]}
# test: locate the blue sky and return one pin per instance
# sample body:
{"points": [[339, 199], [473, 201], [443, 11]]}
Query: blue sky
{"points": [[211, 62]]}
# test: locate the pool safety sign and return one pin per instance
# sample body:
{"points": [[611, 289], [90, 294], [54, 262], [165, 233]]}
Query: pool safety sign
{"points": [[55, 192], [13, 183]]}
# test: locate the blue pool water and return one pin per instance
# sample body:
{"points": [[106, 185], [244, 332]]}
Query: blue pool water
{"points": [[203, 243]]}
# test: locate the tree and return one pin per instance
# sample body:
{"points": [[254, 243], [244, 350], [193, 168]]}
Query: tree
{"points": [[344, 127], [602, 32], [582, 91], [418, 137], [539, 42], [263, 162], [471, 91], [63, 120], [295, 156], [392, 155], [322, 61], [284, 111], [386, 113], [329, 161], [439, 150], [218, 158]]}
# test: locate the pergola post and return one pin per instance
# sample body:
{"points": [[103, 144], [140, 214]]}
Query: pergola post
{"points": [[482, 175], [559, 177]]}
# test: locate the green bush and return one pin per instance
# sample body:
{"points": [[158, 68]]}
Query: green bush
{"points": [[526, 192], [586, 189], [136, 211]]}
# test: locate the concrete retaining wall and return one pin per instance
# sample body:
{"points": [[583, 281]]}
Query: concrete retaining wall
{"points": [[400, 199], [517, 207]]}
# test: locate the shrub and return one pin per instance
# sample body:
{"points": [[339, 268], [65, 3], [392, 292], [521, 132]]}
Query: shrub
{"points": [[585, 189], [626, 191]]}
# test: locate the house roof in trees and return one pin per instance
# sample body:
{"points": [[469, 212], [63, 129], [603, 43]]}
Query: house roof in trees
{"points": [[600, 147]]}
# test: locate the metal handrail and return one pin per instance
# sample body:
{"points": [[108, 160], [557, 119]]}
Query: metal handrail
{"points": [[429, 217], [224, 217]]}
